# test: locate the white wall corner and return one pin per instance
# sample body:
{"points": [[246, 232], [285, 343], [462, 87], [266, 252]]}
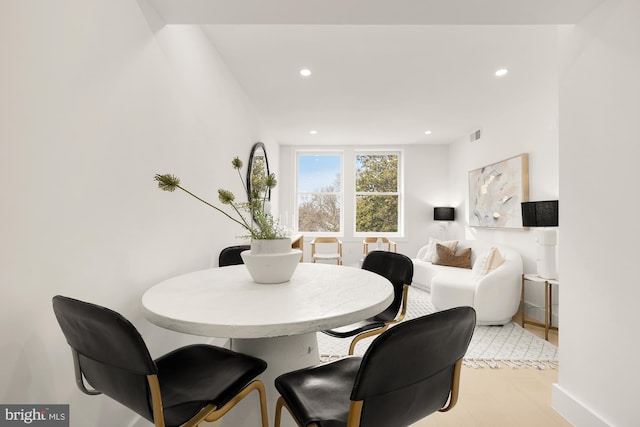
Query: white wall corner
{"points": [[576, 412], [155, 21]]}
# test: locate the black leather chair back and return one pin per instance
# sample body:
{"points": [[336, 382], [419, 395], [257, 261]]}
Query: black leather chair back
{"points": [[407, 372], [398, 269], [112, 355], [231, 255]]}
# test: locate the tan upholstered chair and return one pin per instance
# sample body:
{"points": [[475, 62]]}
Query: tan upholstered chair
{"points": [[326, 243], [385, 244]]}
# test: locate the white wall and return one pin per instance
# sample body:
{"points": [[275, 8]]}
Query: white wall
{"points": [[426, 186], [528, 126], [599, 110], [96, 98]]}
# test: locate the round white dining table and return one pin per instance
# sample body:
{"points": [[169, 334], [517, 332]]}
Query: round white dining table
{"points": [[276, 322]]}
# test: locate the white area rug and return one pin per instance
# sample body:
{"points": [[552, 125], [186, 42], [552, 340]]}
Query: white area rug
{"points": [[491, 346]]}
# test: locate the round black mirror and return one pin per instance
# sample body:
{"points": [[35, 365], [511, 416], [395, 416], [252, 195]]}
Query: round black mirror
{"points": [[257, 173]]}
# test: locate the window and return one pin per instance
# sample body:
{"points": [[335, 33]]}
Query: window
{"points": [[377, 193], [319, 192]]}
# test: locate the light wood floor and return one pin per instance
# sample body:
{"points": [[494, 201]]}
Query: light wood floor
{"points": [[503, 397], [498, 397]]}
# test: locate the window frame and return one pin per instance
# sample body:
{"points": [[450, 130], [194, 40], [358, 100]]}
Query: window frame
{"points": [[399, 192], [340, 194]]}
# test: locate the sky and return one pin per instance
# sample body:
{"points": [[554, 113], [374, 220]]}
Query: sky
{"points": [[317, 171]]}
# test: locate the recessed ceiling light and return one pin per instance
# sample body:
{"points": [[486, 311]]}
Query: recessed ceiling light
{"points": [[500, 72], [313, 132], [305, 72], [427, 132]]}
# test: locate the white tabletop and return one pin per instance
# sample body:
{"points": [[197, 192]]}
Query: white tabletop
{"points": [[225, 302], [535, 278]]}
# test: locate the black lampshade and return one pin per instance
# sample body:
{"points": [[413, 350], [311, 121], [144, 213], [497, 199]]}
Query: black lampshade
{"points": [[443, 214], [540, 214]]}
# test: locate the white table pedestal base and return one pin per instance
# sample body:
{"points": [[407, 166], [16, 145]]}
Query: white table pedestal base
{"points": [[282, 354]]}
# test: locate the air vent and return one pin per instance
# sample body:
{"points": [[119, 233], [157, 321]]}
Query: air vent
{"points": [[474, 136]]}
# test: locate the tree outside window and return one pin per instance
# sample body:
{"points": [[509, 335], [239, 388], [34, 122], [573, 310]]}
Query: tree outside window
{"points": [[377, 193], [319, 193]]}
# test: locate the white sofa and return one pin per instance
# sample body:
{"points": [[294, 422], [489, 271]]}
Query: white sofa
{"points": [[495, 296]]}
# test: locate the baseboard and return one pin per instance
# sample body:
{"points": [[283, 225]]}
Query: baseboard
{"points": [[421, 287], [573, 410], [537, 313]]}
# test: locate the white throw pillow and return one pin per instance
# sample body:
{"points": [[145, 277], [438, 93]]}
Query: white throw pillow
{"points": [[487, 262], [430, 256]]}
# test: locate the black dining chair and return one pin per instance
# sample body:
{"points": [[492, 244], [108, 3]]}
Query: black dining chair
{"points": [[182, 388], [398, 269], [231, 255], [408, 372]]}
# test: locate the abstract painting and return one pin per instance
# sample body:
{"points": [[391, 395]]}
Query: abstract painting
{"points": [[496, 191]]}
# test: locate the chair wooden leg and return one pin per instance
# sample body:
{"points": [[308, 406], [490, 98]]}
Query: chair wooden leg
{"points": [[255, 385], [405, 304], [262, 394], [156, 400], [211, 413], [455, 387], [355, 413], [352, 346], [279, 404], [276, 420]]}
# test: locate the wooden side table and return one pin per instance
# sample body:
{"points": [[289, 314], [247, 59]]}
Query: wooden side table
{"points": [[297, 242], [548, 307]]}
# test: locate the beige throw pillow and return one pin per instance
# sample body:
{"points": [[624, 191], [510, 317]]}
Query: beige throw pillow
{"points": [[446, 256], [430, 255], [489, 261]]}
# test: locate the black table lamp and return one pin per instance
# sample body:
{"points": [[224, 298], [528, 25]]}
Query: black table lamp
{"points": [[543, 214], [443, 215], [540, 214]]}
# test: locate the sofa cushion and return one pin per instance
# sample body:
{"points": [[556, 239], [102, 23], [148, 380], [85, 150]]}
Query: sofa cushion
{"points": [[423, 272], [430, 254], [452, 287], [487, 262], [448, 257]]}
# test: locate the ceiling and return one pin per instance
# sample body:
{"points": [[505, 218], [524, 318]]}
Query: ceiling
{"points": [[383, 72]]}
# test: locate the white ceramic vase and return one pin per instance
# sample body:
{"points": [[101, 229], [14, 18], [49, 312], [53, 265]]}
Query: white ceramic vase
{"points": [[271, 261]]}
